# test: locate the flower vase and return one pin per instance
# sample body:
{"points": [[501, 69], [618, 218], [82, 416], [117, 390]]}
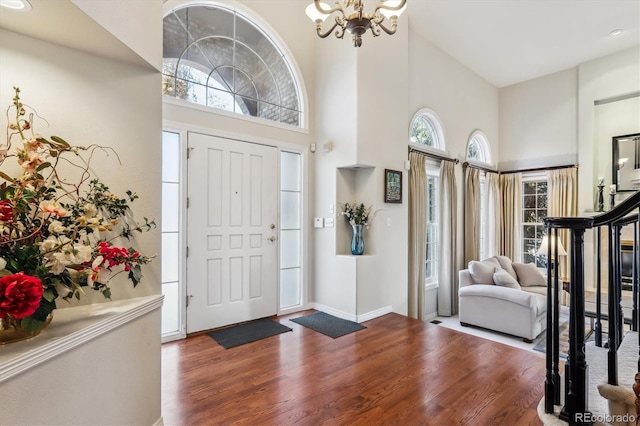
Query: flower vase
{"points": [[357, 240], [11, 329]]}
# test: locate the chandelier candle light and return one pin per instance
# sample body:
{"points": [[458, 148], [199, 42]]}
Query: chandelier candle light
{"points": [[356, 21]]}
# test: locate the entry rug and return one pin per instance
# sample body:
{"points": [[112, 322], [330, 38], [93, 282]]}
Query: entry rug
{"points": [[248, 332], [328, 324]]}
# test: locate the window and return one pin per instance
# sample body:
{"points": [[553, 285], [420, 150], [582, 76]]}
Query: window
{"points": [[478, 148], [216, 57], [426, 130], [431, 263], [171, 236], [290, 230], [483, 215], [534, 211]]}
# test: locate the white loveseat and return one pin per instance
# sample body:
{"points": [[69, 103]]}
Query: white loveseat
{"points": [[503, 296]]}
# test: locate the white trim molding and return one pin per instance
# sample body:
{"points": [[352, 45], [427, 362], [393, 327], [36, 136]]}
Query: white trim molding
{"points": [[357, 318], [71, 328]]}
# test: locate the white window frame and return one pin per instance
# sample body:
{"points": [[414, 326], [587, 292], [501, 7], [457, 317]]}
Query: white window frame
{"points": [[528, 178], [436, 123], [479, 138], [433, 171], [269, 32]]}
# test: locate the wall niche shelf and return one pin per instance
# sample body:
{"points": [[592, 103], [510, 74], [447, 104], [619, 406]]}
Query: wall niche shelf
{"points": [[354, 183]]}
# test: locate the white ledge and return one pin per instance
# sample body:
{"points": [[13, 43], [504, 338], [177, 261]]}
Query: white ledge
{"points": [[70, 328]]}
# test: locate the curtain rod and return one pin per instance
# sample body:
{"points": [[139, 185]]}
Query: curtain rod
{"points": [[475, 166], [436, 156], [540, 169]]}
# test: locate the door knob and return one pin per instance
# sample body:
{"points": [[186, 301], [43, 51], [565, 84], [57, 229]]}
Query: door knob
{"points": [[273, 226], [272, 239]]}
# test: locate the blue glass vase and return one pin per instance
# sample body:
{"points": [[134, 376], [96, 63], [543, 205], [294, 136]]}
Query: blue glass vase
{"points": [[357, 240]]}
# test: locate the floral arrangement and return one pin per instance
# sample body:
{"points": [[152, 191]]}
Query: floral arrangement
{"points": [[57, 234], [358, 214]]}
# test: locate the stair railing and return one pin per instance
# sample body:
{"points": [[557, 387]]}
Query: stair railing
{"points": [[576, 370]]}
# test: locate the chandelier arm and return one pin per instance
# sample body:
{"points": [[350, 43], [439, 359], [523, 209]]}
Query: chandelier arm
{"points": [[338, 8], [325, 34], [375, 28], [382, 5], [392, 30]]}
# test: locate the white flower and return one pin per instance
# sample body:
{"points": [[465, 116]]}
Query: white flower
{"points": [[3, 263], [48, 244], [53, 207], [90, 210], [82, 253], [56, 227]]}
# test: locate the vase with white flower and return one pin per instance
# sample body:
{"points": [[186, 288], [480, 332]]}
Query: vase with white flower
{"points": [[358, 217], [61, 228]]}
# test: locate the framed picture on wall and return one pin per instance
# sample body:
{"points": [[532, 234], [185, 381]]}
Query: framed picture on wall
{"points": [[392, 186]]}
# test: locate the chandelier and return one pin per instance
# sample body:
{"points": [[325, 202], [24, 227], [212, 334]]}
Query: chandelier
{"points": [[357, 22]]}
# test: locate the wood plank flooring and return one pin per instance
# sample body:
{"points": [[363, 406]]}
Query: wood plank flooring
{"points": [[398, 371]]}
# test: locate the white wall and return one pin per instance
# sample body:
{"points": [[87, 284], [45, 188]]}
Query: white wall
{"points": [[88, 100], [120, 18], [462, 100], [601, 79], [538, 122]]}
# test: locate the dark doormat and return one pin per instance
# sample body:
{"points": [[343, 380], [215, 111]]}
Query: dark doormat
{"points": [[328, 324], [248, 332]]}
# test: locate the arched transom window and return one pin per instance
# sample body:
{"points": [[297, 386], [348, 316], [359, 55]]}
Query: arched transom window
{"points": [[426, 130], [478, 148], [215, 56]]}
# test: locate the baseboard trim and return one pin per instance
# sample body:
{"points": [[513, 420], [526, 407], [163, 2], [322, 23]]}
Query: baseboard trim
{"points": [[431, 316], [351, 317], [159, 422]]}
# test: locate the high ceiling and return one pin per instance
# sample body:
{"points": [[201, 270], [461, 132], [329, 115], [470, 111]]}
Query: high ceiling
{"points": [[504, 41], [510, 41]]}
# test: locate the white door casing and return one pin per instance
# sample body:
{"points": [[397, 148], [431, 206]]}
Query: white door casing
{"points": [[232, 266]]}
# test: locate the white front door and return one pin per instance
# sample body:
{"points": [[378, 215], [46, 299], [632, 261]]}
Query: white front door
{"points": [[232, 234]]}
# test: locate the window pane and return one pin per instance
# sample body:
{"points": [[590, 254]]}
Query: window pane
{"points": [[170, 207], [529, 231], [529, 187], [290, 288], [170, 257], [213, 43], [170, 311], [290, 174], [290, 210], [529, 202], [170, 157], [289, 248]]}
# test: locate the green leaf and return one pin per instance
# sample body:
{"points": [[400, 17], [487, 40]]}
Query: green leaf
{"points": [[50, 295], [6, 177], [135, 275], [60, 141], [30, 324], [43, 166]]}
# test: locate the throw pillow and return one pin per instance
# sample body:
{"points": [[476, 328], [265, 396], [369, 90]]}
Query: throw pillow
{"points": [[482, 272], [505, 263], [504, 278], [529, 275]]}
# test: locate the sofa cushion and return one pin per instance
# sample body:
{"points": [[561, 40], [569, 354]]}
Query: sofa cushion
{"points": [[505, 263], [503, 278], [482, 272], [528, 274]]}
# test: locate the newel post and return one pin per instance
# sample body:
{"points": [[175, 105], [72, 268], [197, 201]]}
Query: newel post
{"points": [[576, 368]]}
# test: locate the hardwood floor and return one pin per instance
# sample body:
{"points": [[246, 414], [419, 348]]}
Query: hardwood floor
{"points": [[397, 371]]}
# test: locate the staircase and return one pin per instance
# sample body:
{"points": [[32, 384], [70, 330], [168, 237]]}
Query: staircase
{"points": [[567, 398]]}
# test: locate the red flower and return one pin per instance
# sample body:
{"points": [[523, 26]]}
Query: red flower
{"points": [[6, 211], [20, 295]]}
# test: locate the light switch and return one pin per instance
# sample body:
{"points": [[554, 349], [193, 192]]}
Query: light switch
{"points": [[328, 222], [318, 222], [330, 208]]}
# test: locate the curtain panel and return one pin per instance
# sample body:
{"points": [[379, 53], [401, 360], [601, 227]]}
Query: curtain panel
{"points": [[563, 202], [417, 233], [510, 217], [492, 204], [447, 267], [472, 214]]}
